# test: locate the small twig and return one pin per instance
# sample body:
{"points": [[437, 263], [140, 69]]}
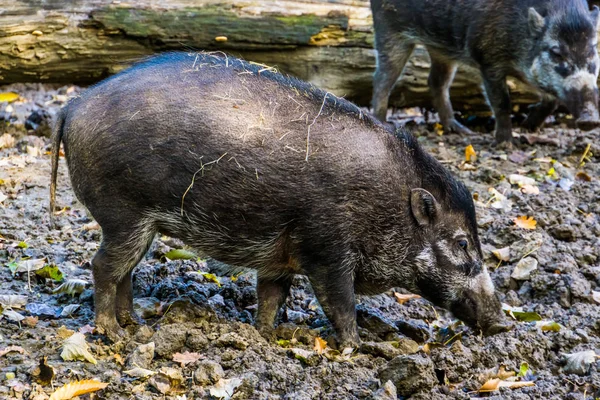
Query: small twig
{"points": [[311, 124]]}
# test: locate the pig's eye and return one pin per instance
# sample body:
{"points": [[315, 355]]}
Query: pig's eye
{"points": [[463, 244], [555, 53]]}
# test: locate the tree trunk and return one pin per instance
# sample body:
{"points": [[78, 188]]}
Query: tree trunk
{"points": [[327, 42]]}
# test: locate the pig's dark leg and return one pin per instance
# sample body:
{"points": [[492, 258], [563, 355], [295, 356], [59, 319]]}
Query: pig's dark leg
{"points": [[125, 313], [498, 96], [391, 59], [271, 296], [539, 112], [440, 79], [118, 254], [335, 292]]}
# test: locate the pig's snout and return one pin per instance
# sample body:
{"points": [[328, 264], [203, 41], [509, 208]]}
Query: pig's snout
{"points": [[581, 98], [481, 311]]}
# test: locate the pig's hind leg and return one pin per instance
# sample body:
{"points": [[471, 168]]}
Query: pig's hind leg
{"points": [[271, 296], [440, 78], [119, 253], [391, 59]]}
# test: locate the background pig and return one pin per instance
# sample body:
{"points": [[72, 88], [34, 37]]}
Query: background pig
{"points": [[549, 44], [258, 170]]}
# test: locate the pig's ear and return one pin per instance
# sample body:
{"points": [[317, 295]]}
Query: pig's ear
{"points": [[536, 22], [424, 206], [594, 14]]}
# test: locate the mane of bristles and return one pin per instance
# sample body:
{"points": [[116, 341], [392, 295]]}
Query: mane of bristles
{"points": [[437, 179], [331, 103]]}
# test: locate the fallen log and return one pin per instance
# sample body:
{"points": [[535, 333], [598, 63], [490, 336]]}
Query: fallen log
{"points": [[327, 42]]}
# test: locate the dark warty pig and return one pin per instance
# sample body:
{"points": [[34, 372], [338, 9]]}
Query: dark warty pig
{"points": [[548, 44], [259, 170]]}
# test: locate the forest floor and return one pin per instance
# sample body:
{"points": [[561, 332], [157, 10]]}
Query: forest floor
{"points": [[199, 340]]}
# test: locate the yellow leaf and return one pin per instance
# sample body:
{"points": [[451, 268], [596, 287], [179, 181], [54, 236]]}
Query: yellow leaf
{"points": [[525, 222], [73, 389], [211, 278], [221, 39], [320, 345], [403, 298], [9, 97], [470, 154], [439, 129]]}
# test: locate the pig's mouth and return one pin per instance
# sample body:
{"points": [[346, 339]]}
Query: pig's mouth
{"points": [[583, 104], [481, 313]]}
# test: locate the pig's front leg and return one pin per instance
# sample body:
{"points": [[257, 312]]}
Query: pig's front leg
{"points": [[124, 303], [271, 296], [498, 96], [539, 112], [335, 292]]}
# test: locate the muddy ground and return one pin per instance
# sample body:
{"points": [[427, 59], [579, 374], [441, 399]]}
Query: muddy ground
{"points": [[419, 349]]}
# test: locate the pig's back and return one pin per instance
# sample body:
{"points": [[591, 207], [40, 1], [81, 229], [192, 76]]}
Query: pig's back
{"points": [[223, 136]]}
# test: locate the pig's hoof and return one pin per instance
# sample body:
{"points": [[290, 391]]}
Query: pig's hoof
{"points": [[456, 127], [114, 334], [499, 328], [127, 317], [504, 145], [588, 124], [267, 333]]}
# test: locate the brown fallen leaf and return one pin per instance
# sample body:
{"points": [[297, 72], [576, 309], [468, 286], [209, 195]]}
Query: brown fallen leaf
{"points": [[525, 222], [186, 358], [403, 298], [63, 332], [77, 388], [496, 383], [30, 321], [583, 176], [9, 349], [320, 345]]}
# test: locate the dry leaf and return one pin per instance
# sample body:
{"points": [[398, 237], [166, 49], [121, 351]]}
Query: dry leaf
{"points": [[139, 372], [525, 222], [186, 358], [86, 329], [8, 97], [29, 265], [92, 226], [596, 296], [13, 315], [225, 388], [30, 321], [73, 389], [71, 286], [63, 332], [7, 141], [439, 129], [583, 176], [530, 189], [320, 345], [403, 298], [579, 363], [502, 254], [13, 300], [75, 348], [495, 384], [8, 349], [221, 39], [470, 154]]}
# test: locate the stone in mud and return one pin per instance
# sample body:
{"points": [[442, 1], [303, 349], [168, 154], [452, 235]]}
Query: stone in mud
{"points": [[389, 350], [169, 339], [208, 373], [374, 321], [232, 339], [146, 307], [387, 392], [142, 356], [196, 340], [410, 374], [564, 232], [414, 329]]}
